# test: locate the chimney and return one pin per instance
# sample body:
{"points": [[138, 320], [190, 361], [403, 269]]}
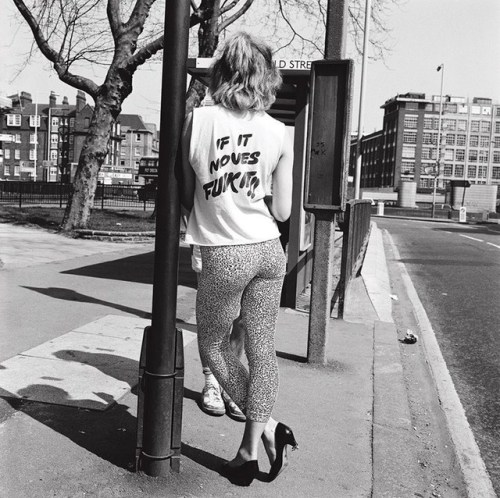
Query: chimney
{"points": [[80, 100], [65, 102], [25, 98], [52, 99]]}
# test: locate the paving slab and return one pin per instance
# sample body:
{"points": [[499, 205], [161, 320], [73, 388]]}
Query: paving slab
{"points": [[90, 367]]}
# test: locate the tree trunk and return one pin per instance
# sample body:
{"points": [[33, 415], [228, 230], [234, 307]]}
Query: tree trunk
{"points": [[208, 39], [92, 157], [116, 88]]}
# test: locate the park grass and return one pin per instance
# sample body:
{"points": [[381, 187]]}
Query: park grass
{"points": [[105, 219]]}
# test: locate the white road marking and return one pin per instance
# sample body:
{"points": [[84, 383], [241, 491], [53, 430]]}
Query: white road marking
{"points": [[494, 245], [472, 238]]}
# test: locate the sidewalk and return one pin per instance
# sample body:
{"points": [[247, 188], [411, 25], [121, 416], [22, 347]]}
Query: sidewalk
{"points": [[73, 435]]}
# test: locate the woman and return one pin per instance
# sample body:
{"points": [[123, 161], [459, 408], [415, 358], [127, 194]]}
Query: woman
{"points": [[233, 153]]}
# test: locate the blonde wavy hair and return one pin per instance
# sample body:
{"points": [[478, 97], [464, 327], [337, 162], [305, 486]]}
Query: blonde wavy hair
{"points": [[243, 75]]}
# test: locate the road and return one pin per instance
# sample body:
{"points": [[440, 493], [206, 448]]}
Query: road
{"points": [[455, 269]]}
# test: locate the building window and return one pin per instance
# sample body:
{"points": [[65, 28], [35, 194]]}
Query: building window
{"points": [[425, 183], [137, 151], [496, 157], [410, 121], [71, 122], [138, 137], [33, 138], [35, 121], [412, 106], [483, 155], [17, 154], [53, 155], [460, 155], [86, 122], [475, 109], [428, 139], [496, 142], [427, 123], [409, 137], [17, 169], [450, 139], [471, 171], [484, 141], [447, 170], [17, 138], [451, 108], [448, 155], [474, 125], [428, 153], [6, 170], [473, 140], [32, 154], [54, 139], [407, 167], [485, 126], [6, 153], [462, 125], [482, 171], [495, 172], [461, 140], [408, 152], [459, 170], [473, 155], [13, 120], [71, 139], [450, 124], [54, 122], [122, 163]]}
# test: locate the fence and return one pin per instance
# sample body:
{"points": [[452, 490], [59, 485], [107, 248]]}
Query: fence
{"points": [[356, 228], [57, 194]]}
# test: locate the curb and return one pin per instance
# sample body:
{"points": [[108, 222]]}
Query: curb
{"points": [[474, 470]]}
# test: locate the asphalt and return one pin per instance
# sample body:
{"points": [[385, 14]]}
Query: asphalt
{"points": [[72, 316]]}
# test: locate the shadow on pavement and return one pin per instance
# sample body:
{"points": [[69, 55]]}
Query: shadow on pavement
{"points": [[71, 295], [138, 269], [111, 434]]}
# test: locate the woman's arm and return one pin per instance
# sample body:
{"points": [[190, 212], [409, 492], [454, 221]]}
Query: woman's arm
{"points": [[187, 180], [281, 203]]}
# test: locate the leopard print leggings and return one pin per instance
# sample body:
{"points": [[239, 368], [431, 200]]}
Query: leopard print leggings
{"points": [[250, 276]]}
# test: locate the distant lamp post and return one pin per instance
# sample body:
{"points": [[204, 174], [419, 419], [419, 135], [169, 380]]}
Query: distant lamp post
{"points": [[359, 159], [438, 159]]}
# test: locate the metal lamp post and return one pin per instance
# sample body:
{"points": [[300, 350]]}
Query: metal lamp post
{"points": [[438, 163], [366, 37]]}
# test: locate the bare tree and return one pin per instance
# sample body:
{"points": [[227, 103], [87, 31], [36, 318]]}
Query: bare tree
{"points": [[81, 37], [77, 34]]}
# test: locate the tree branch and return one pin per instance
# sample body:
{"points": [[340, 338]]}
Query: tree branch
{"points": [[113, 12], [144, 53], [61, 68], [224, 24]]}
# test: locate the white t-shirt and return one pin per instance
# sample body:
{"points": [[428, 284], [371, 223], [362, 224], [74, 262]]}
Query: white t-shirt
{"points": [[233, 155]]}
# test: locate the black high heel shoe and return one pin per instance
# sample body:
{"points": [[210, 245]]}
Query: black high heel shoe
{"points": [[283, 436], [241, 475]]}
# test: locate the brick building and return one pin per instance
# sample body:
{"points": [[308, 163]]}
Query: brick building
{"points": [[138, 140], [43, 142]]}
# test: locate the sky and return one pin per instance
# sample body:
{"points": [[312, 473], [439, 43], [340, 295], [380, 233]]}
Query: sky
{"points": [[464, 35]]}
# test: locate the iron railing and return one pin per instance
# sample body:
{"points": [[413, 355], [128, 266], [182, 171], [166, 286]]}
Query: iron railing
{"points": [[57, 194], [356, 232]]}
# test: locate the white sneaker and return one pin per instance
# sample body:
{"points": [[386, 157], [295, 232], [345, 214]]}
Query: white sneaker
{"points": [[211, 401]]}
